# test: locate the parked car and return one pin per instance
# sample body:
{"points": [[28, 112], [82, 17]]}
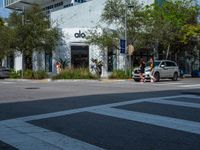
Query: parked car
{"points": [[162, 69], [4, 72], [196, 73]]}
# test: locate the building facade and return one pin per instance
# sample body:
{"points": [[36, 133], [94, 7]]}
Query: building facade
{"points": [[75, 18]]}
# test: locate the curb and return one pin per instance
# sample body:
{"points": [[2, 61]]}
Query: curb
{"points": [[67, 80]]}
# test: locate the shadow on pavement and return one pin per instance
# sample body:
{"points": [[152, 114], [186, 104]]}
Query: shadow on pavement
{"points": [[22, 109]]}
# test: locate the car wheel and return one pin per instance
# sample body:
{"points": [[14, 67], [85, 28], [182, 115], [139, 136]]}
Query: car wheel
{"points": [[157, 76], [175, 76]]}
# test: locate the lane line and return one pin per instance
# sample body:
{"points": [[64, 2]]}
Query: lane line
{"points": [[168, 122], [25, 136], [177, 103]]}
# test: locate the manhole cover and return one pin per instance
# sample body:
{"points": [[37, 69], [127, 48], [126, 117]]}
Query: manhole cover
{"points": [[32, 88]]}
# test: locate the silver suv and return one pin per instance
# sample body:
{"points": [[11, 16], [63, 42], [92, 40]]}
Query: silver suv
{"points": [[162, 69]]}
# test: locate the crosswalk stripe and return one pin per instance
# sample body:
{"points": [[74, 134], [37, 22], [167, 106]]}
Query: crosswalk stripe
{"points": [[191, 85], [25, 136], [23, 141], [168, 122], [176, 103]]}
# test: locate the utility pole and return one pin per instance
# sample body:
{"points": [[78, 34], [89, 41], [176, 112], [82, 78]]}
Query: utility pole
{"points": [[23, 23], [125, 34], [127, 6]]}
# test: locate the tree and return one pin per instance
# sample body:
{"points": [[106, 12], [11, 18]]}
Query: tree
{"points": [[5, 40], [166, 24], [114, 16], [32, 31], [1, 22], [168, 27]]}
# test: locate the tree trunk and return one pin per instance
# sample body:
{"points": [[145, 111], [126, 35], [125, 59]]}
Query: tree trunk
{"points": [[167, 54]]}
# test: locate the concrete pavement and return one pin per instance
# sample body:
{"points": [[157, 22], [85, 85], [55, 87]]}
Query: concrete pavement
{"points": [[100, 115]]}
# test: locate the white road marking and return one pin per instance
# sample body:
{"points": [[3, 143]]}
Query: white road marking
{"points": [[191, 85], [22, 141], [164, 83], [22, 135], [178, 103], [168, 122], [26, 136], [7, 82], [73, 111]]}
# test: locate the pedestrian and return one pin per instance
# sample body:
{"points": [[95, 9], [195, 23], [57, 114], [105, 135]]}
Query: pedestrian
{"points": [[152, 69], [142, 70], [58, 67]]}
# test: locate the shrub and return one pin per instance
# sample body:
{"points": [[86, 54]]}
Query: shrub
{"points": [[41, 74], [28, 74], [120, 74], [15, 74], [77, 73]]}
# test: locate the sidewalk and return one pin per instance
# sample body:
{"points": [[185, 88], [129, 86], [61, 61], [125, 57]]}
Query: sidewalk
{"points": [[65, 80]]}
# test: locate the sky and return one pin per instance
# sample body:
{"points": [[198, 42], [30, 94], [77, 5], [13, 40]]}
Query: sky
{"points": [[3, 12]]}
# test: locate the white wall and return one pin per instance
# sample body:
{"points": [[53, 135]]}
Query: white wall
{"points": [[38, 61], [80, 18], [146, 2], [85, 15], [64, 49], [18, 61]]}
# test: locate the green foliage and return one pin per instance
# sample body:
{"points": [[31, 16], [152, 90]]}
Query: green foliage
{"points": [[158, 25], [32, 31], [6, 40], [1, 22], [120, 74], [105, 38], [29, 74], [114, 14], [41, 74], [78, 73], [165, 24], [190, 32], [15, 74]]}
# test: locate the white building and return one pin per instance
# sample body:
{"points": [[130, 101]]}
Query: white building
{"points": [[74, 18]]}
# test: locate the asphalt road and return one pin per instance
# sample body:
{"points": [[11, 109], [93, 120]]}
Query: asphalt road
{"points": [[108, 114]]}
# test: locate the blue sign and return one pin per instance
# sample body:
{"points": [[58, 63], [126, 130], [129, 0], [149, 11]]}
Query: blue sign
{"points": [[122, 46]]}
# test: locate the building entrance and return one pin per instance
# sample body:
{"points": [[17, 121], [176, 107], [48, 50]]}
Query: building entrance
{"points": [[80, 56]]}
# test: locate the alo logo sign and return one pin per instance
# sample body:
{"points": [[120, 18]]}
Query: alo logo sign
{"points": [[79, 35]]}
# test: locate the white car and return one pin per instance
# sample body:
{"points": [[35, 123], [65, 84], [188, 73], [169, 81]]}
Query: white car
{"points": [[162, 69]]}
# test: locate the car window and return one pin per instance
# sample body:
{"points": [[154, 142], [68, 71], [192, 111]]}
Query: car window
{"points": [[170, 64], [156, 63], [163, 63]]}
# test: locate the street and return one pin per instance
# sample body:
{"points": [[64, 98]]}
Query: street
{"points": [[96, 115]]}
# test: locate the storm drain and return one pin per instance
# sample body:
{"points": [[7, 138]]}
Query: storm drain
{"points": [[32, 88]]}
